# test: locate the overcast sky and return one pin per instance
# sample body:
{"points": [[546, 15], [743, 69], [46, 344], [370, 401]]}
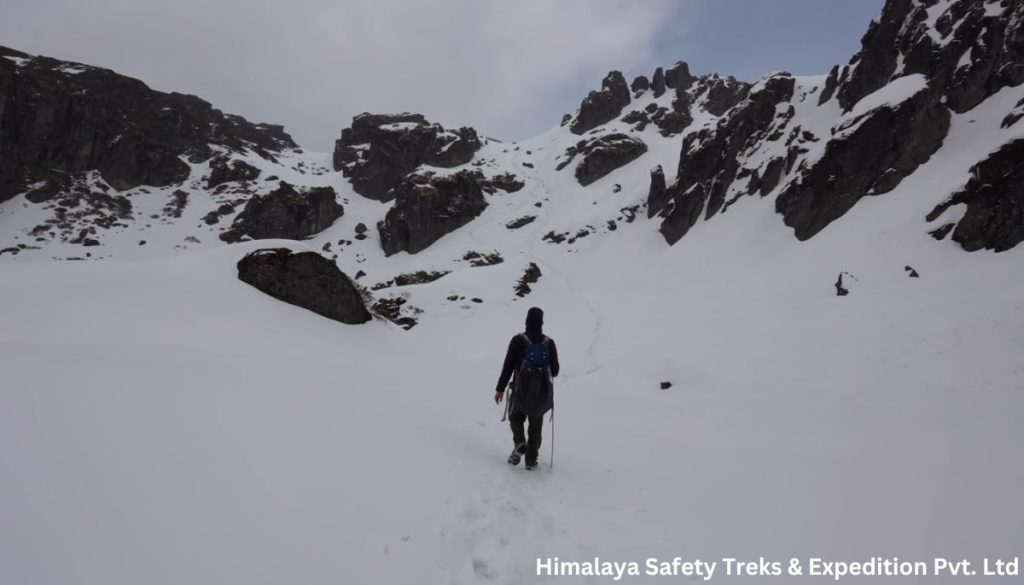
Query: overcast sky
{"points": [[508, 68]]}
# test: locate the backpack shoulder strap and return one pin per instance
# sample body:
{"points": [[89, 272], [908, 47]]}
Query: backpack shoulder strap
{"points": [[526, 338]]}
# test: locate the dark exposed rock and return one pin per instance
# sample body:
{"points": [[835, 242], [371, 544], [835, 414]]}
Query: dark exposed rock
{"points": [[830, 85], [378, 151], [980, 51], [884, 146], [656, 195], [570, 154], [911, 272], [678, 76], [174, 208], [723, 93], [520, 222], [427, 207], [640, 84], [710, 160], [62, 117], [629, 213], [214, 216], [555, 238], [286, 213], [392, 310], [671, 123], [530, 276], [566, 118], [772, 174], [666, 385], [876, 61], [304, 279], [605, 154], [640, 119], [418, 277], [582, 233], [994, 197], [360, 228], [602, 106], [658, 82], [477, 259], [222, 171], [942, 232]]}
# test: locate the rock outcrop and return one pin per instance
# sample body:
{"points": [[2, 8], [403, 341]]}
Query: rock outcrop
{"points": [[427, 207], [640, 84], [59, 117], [974, 49], [379, 150], [723, 93], [223, 170], [878, 150], [711, 159], [994, 197], [602, 106], [678, 76], [606, 153], [287, 214], [307, 280], [658, 82], [919, 63]]}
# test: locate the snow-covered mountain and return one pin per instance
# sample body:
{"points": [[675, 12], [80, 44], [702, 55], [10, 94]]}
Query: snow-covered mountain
{"points": [[161, 421]]}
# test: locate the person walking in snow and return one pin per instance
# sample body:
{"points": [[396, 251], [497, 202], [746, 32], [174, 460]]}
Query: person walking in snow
{"points": [[533, 361]]}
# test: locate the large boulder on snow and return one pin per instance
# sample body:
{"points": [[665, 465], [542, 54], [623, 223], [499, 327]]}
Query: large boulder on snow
{"points": [[994, 197], [603, 106], [427, 207], [307, 280], [60, 117], [379, 150], [606, 153], [285, 213]]}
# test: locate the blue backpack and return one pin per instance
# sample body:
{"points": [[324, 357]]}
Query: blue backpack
{"points": [[534, 392]]}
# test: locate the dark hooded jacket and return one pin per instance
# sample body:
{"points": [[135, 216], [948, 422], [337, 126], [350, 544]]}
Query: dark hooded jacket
{"points": [[517, 348]]}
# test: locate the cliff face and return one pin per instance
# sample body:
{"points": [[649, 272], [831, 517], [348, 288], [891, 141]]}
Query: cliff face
{"points": [[931, 77], [378, 150], [820, 146], [58, 117]]}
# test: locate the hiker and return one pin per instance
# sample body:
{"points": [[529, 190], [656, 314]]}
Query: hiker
{"points": [[533, 359]]}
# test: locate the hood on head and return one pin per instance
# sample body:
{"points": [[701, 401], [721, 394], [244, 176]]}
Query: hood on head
{"points": [[534, 319]]}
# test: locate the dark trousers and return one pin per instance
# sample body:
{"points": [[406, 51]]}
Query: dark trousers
{"points": [[519, 434]]}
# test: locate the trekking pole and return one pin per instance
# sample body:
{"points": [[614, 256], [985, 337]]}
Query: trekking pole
{"points": [[552, 439]]}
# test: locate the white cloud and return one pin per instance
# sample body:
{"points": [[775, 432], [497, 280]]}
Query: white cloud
{"points": [[508, 68]]}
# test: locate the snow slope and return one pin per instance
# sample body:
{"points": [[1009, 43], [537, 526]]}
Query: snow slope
{"points": [[162, 422]]}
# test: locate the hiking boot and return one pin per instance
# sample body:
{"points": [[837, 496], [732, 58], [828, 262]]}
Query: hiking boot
{"points": [[531, 464], [517, 454]]}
